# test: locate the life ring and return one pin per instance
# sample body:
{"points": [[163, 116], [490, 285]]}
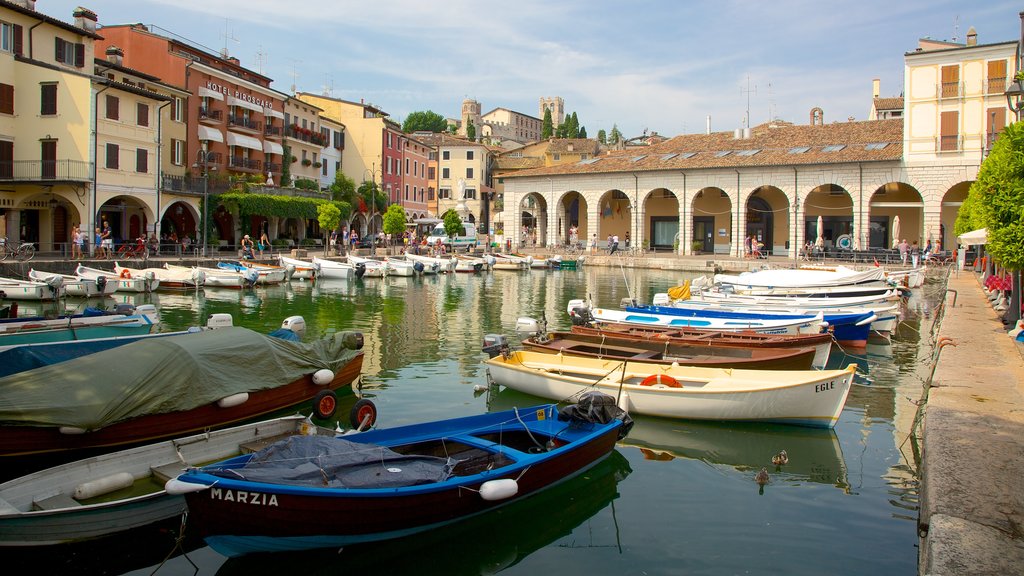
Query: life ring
{"points": [[325, 404], [662, 379], [126, 274], [363, 410]]}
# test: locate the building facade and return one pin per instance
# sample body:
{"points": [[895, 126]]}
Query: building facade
{"points": [[416, 180], [333, 133]]}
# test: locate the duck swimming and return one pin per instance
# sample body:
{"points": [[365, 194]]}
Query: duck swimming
{"points": [[780, 459]]}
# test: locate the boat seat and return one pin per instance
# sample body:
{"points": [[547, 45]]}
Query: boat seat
{"points": [[55, 502], [7, 508], [646, 355], [165, 472], [257, 445]]}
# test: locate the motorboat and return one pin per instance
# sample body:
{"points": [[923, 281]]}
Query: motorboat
{"points": [[124, 280], [304, 270], [14, 289], [176, 278], [333, 269], [75, 286]]}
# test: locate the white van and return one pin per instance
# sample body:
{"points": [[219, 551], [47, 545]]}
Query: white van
{"points": [[463, 241]]}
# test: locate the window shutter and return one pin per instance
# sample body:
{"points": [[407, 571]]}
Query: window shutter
{"points": [[48, 104], [113, 107], [142, 114], [58, 49], [17, 44], [112, 159], [141, 160], [6, 159], [6, 99], [80, 55]]}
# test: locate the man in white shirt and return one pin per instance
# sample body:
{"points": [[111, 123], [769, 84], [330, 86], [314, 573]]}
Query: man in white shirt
{"points": [[615, 244]]}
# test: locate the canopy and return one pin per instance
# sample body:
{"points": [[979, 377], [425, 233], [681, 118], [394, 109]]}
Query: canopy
{"points": [[207, 93], [973, 237], [211, 134], [162, 375], [273, 113], [244, 141], [272, 147], [232, 101]]}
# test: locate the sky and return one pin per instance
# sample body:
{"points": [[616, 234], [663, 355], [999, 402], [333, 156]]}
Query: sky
{"points": [[658, 65]]}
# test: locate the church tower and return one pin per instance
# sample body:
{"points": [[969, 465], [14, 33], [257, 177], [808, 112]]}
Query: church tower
{"points": [[557, 107], [470, 113]]}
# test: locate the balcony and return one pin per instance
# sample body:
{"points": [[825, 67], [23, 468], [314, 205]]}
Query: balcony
{"points": [[245, 164], [48, 171], [273, 167], [214, 160], [272, 131], [190, 185], [208, 116], [950, 90], [244, 123], [304, 134], [950, 143], [996, 85]]}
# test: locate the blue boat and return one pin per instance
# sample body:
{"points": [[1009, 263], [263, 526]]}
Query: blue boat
{"points": [[848, 329], [316, 492], [92, 323]]}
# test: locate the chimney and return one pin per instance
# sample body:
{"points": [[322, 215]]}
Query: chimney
{"points": [[972, 36], [234, 61], [876, 85], [85, 19], [30, 4], [115, 56]]}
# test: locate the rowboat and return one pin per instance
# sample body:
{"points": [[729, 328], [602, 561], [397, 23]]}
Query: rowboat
{"points": [[274, 269], [373, 268], [75, 286], [121, 491], [472, 264], [822, 343], [177, 278], [852, 302], [397, 481], [802, 277], [304, 270], [124, 281], [93, 323], [264, 274], [163, 387], [432, 264], [14, 289], [333, 269], [668, 352], [398, 266], [511, 262], [581, 314], [802, 397], [219, 278]]}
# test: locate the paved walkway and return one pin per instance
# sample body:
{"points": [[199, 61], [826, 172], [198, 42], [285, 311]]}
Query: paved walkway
{"points": [[972, 492]]}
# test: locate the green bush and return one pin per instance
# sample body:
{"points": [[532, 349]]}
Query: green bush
{"points": [[307, 242]]}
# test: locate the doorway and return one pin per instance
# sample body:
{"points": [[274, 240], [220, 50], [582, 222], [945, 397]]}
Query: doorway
{"points": [[704, 232]]}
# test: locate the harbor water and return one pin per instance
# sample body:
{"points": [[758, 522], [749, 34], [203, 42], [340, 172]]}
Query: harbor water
{"points": [[675, 497]]}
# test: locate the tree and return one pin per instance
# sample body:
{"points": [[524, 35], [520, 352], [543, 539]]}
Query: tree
{"points": [[602, 137], [548, 127], [286, 166], [452, 224], [343, 187], [615, 136], [573, 131], [583, 132], [424, 121], [329, 216], [394, 222], [470, 131], [999, 196]]}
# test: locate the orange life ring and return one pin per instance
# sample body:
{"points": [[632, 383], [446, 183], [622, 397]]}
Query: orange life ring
{"points": [[663, 379], [125, 274]]}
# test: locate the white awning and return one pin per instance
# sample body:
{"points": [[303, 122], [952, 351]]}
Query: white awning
{"points": [[273, 113], [211, 134], [232, 101], [272, 147], [974, 237], [207, 93], [244, 141]]}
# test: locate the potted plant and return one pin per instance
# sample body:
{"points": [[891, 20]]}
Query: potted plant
{"points": [[697, 246], [306, 162], [317, 164]]}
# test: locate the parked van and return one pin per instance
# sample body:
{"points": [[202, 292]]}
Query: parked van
{"points": [[463, 241]]}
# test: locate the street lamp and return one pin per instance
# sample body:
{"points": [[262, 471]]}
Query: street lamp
{"points": [[201, 162], [1015, 98], [373, 172]]}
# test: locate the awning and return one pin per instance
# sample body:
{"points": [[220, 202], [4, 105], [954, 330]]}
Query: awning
{"points": [[232, 101], [211, 134], [272, 147], [273, 113], [974, 237], [244, 141], [207, 93]]}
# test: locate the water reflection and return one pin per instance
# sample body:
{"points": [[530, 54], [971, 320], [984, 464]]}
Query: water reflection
{"points": [[485, 544]]}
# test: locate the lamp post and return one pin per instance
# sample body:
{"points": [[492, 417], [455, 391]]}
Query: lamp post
{"points": [[201, 163], [373, 172], [796, 231], [1015, 93]]}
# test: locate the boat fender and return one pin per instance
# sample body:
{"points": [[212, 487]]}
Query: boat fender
{"points": [[101, 486], [126, 274], [418, 267], [72, 430], [233, 400], [661, 380], [176, 487], [322, 377], [499, 489]]}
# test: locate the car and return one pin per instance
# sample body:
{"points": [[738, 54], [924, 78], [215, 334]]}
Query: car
{"points": [[368, 240]]}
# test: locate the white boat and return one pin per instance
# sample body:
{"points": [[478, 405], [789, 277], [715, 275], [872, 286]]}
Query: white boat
{"points": [[432, 265], [265, 275], [801, 278], [14, 289], [473, 264], [123, 490], [513, 262], [179, 278], [801, 397], [581, 313], [304, 270], [217, 278], [913, 278], [75, 286], [333, 269], [373, 268], [92, 323], [124, 280], [398, 266]]}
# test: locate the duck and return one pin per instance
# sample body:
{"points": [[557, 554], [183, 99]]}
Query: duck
{"points": [[780, 459], [762, 477]]}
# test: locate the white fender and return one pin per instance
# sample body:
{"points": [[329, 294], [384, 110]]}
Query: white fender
{"points": [[322, 377], [499, 489], [233, 400], [101, 486], [71, 430], [177, 487]]}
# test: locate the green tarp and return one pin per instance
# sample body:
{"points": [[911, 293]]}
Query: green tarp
{"points": [[161, 375]]}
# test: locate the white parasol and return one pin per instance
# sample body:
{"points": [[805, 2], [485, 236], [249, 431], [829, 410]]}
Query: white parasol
{"points": [[895, 231], [270, 179], [820, 242]]}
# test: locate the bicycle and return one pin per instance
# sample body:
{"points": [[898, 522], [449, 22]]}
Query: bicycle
{"points": [[22, 251], [131, 251]]}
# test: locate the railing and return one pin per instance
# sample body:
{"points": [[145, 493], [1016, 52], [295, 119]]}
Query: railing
{"points": [[996, 85], [293, 131], [274, 131], [43, 170], [191, 185], [245, 163], [207, 114], [273, 167], [949, 143], [949, 90], [244, 122]]}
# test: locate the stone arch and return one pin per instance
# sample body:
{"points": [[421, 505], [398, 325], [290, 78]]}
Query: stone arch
{"points": [[768, 217], [885, 203], [533, 219], [950, 209], [571, 211], [129, 218], [711, 212], [615, 215], [834, 204], [660, 227]]}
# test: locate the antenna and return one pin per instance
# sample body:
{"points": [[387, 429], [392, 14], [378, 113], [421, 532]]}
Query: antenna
{"points": [[328, 84], [956, 28], [746, 119], [228, 35], [261, 59], [771, 104], [295, 72]]}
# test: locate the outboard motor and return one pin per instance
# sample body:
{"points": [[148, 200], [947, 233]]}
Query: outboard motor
{"points": [[531, 327], [251, 276], [418, 267], [491, 260], [199, 277], [101, 283], [435, 267], [495, 344], [124, 308], [477, 267], [581, 316], [360, 270], [296, 324]]}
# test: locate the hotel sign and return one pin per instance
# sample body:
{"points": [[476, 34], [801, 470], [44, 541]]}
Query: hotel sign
{"points": [[240, 95]]}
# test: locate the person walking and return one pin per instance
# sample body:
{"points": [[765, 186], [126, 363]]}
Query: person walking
{"points": [[627, 239], [615, 244], [915, 254], [593, 243], [904, 251], [77, 241], [108, 240]]}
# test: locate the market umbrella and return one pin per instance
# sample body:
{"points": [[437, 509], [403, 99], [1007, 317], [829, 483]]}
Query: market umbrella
{"points": [[270, 179], [895, 231], [820, 242]]}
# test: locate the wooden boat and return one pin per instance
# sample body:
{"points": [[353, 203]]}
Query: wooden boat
{"points": [[163, 387], [822, 343], [581, 314], [668, 352], [304, 270], [218, 278], [75, 286], [333, 269], [127, 320], [372, 268], [802, 397], [432, 264], [264, 274], [121, 491], [124, 280], [178, 278], [510, 262], [397, 482], [840, 276], [14, 289]]}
